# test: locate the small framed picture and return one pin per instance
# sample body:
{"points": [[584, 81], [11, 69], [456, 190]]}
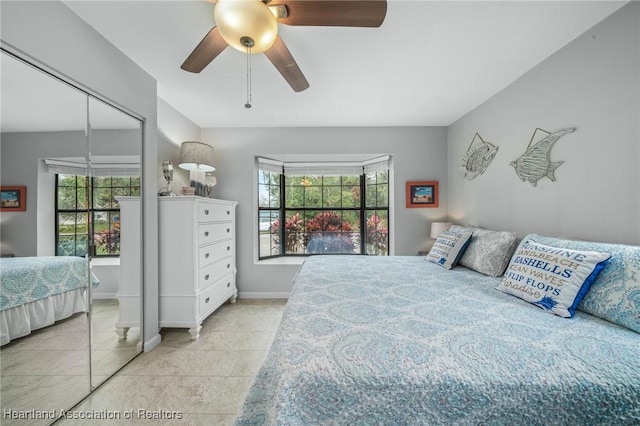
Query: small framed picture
{"points": [[13, 198], [422, 194]]}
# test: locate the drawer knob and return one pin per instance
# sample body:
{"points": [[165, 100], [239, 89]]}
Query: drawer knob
{"points": [[228, 230], [228, 248], [206, 300], [228, 212], [206, 277], [228, 284], [206, 233], [206, 212], [228, 265], [206, 255]]}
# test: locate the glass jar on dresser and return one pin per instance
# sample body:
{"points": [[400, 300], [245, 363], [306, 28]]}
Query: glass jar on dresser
{"points": [[197, 259]]}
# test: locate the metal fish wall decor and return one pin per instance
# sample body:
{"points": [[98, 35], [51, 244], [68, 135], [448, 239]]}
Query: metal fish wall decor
{"points": [[536, 162], [477, 158]]}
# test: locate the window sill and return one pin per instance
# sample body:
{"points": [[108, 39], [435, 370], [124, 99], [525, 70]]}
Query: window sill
{"points": [[105, 261], [293, 260]]}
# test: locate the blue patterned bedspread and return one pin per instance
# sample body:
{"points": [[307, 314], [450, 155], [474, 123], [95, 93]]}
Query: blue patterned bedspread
{"points": [[26, 279], [402, 341]]}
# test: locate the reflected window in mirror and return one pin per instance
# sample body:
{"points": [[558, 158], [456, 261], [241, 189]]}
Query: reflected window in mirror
{"points": [[75, 195]]}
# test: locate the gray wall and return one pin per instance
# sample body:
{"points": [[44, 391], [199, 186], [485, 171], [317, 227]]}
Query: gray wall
{"points": [[21, 153], [173, 129], [419, 153], [592, 84], [49, 33]]}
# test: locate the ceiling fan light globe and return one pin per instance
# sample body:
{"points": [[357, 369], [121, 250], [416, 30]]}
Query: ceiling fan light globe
{"points": [[236, 19]]}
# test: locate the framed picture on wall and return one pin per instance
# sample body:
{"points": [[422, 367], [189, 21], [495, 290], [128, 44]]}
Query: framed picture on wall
{"points": [[422, 194], [13, 198]]}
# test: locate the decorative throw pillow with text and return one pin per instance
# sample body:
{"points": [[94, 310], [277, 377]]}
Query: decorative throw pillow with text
{"points": [[448, 248], [552, 278]]}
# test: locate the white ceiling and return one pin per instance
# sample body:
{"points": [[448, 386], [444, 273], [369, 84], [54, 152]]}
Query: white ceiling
{"points": [[429, 63]]}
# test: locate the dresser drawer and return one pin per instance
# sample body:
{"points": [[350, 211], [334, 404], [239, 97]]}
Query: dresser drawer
{"points": [[214, 272], [216, 294], [214, 212], [214, 252], [210, 232]]}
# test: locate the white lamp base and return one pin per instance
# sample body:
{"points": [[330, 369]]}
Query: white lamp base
{"points": [[197, 181]]}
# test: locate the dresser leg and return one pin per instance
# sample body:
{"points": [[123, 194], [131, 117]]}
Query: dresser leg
{"points": [[233, 298], [195, 332], [122, 333]]}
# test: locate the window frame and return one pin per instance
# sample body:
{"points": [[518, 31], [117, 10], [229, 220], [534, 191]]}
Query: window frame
{"points": [[75, 211], [363, 211], [90, 211], [360, 210], [270, 209]]}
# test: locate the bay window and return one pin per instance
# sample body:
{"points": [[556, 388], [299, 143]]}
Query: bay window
{"points": [[307, 208]]}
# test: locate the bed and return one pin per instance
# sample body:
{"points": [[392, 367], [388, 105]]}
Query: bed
{"points": [[404, 341], [37, 291]]}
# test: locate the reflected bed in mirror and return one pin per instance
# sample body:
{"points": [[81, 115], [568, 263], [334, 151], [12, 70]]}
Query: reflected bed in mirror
{"points": [[38, 291]]}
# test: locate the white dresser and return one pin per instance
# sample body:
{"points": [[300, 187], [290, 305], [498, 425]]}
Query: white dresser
{"points": [[197, 259]]}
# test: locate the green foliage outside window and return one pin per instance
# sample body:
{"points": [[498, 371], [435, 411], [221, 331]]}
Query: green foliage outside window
{"points": [[377, 235], [294, 233]]}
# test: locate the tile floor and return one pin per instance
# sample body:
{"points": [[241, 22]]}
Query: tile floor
{"points": [[108, 353], [45, 370], [49, 369], [205, 380]]}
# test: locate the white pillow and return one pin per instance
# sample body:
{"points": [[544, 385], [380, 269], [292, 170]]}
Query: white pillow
{"points": [[552, 278], [448, 248]]}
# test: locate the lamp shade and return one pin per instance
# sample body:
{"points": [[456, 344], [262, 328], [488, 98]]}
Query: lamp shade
{"points": [[196, 156], [438, 228]]}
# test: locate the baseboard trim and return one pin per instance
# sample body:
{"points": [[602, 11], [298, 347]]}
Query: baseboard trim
{"points": [[105, 296], [152, 343], [259, 295]]}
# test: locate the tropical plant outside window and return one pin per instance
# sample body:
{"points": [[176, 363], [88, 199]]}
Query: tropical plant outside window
{"points": [[81, 201], [305, 215]]}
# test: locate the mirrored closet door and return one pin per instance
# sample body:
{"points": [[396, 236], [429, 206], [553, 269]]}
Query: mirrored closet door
{"points": [[115, 164], [67, 159], [45, 363]]}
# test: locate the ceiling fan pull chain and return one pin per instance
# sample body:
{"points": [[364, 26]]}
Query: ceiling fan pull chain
{"points": [[248, 104]]}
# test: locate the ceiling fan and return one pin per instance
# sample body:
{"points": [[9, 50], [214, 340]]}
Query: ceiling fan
{"points": [[251, 26]]}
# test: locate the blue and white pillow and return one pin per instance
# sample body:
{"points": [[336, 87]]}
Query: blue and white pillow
{"points": [[615, 294], [448, 248], [552, 278]]}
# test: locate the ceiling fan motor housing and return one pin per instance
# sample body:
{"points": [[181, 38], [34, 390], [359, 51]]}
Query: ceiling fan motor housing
{"points": [[247, 42]]}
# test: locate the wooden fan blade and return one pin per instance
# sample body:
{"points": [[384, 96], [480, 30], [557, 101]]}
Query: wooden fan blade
{"points": [[334, 13], [211, 46], [281, 58]]}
